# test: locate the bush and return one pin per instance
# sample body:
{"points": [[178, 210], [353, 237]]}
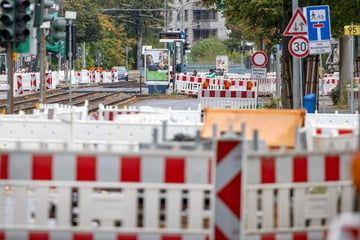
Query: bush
{"points": [[335, 94]]}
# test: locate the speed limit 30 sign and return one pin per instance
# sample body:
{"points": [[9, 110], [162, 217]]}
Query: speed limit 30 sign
{"points": [[299, 46]]}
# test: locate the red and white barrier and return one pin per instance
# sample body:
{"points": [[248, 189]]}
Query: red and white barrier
{"points": [[297, 193], [163, 193], [33, 83], [228, 187], [48, 81], [227, 99], [19, 85]]}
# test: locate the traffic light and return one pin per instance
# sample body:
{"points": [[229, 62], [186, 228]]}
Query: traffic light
{"points": [[40, 15], [8, 20], [21, 18], [186, 47], [57, 28]]}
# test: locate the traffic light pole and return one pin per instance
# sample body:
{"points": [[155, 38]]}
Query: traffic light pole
{"points": [[10, 78], [42, 54]]}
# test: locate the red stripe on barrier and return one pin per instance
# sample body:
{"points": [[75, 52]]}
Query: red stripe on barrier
{"points": [[225, 148], [111, 116], [268, 170], [300, 236], [219, 235], [211, 93], [222, 93], [86, 168], [233, 94], [83, 236], [268, 237], [300, 165], [175, 170], [2, 236], [169, 237], [243, 94], [42, 167], [345, 131], [126, 237], [318, 131], [130, 169], [231, 195], [37, 236], [332, 166], [4, 164]]}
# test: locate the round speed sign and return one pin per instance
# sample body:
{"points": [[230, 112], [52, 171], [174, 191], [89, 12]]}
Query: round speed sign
{"points": [[299, 46]]}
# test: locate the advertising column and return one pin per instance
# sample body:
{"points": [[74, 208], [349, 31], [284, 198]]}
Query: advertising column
{"points": [[157, 67]]}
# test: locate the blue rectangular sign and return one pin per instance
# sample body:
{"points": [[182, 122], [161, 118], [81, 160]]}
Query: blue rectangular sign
{"points": [[318, 21]]}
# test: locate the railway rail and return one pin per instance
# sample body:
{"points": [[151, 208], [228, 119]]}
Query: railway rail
{"points": [[61, 95]]}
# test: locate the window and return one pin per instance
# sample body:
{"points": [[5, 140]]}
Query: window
{"points": [[204, 15], [204, 33]]}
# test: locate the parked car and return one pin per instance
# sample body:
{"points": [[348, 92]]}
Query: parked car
{"points": [[123, 74]]}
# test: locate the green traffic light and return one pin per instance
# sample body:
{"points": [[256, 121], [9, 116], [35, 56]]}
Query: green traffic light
{"points": [[8, 20], [39, 15]]}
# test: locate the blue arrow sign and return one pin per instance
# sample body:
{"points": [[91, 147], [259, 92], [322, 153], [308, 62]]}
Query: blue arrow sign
{"points": [[318, 21]]}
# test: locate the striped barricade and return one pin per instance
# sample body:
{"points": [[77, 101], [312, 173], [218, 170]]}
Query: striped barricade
{"points": [[33, 83], [19, 85], [295, 195], [162, 194], [227, 99], [188, 84], [328, 83]]}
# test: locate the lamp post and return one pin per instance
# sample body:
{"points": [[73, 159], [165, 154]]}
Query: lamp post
{"points": [[180, 10]]}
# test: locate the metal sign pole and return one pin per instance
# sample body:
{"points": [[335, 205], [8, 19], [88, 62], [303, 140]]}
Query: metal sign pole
{"points": [[10, 78], [296, 71]]}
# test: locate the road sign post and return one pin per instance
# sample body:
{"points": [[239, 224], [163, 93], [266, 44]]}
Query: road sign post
{"points": [[299, 46]]}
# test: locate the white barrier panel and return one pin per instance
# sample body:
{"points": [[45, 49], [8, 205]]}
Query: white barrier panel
{"points": [[148, 114], [329, 82], [227, 99], [295, 195], [162, 194]]}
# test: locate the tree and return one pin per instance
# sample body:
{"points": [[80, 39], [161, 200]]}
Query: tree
{"points": [[206, 50], [87, 19], [263, 21], [143, 20]]}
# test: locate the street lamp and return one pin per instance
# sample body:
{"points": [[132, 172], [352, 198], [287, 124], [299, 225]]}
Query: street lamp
{"points": [[180, 10]]}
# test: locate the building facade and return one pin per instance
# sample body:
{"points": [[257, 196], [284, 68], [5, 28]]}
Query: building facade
{"points": [[197, 22]]}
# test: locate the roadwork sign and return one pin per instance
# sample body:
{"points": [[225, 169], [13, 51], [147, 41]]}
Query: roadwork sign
{"points": [[297, 25]]}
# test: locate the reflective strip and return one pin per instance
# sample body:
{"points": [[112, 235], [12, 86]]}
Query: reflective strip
{"points": [[64, 161], [86, 168], [108, 167], [20, 166]]}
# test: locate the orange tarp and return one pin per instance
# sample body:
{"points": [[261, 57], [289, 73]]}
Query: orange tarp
{"points": [[276, 127]]}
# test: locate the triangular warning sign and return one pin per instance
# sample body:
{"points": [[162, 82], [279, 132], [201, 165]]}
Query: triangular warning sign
{"points": [[297, 25]]}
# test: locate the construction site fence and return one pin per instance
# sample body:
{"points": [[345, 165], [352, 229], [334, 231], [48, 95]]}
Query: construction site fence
{"points": [[220, 189]]}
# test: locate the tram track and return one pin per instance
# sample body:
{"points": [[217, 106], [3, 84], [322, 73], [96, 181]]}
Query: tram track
{"points": [[28, 102]]}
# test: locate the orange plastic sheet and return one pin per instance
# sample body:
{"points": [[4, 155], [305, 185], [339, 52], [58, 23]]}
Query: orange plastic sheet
{"points": [[276, 127]]}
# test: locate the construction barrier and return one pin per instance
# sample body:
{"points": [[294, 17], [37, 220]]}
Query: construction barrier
{"points": [[227, 99], [19, 85], [157, 194], [226, 187]]}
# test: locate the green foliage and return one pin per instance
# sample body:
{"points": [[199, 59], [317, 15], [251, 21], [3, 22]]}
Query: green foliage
{"points": [[87, 20], [206, 50]]}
